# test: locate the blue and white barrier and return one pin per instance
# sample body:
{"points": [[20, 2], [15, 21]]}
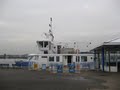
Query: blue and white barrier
{"points": [[87, 65]]}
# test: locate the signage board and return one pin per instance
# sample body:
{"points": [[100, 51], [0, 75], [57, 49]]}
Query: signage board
{"points": [[71, 68], [59, 68], [43, 67]]}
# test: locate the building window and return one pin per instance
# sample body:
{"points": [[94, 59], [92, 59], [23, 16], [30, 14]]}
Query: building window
{"points": [[57, 58], [51, 59], [83, 58]]}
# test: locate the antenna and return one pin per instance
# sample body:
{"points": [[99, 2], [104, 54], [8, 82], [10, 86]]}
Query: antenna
{"points": [[50, 30], [50, 33]]}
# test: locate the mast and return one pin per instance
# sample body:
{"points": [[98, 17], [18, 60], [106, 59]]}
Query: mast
{"points": [[50, 30]]}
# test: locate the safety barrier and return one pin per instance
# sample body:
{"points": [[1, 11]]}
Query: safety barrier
{"points": [[21, 64], [4, 65], [59, 68], [87, 65], [53, 67], [71, 68]]}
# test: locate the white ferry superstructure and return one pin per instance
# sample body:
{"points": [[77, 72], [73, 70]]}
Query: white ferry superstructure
{"points": [[56, 53]]}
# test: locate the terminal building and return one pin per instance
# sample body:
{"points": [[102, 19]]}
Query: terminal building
{"points": [[107, 56]]}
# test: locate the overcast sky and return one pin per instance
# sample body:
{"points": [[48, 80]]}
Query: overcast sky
{"points": [[22, 22]]}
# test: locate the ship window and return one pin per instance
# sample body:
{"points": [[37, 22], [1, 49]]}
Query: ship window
{"points": [[84, 58], [57, 58], [51, 59], [41, 44], [45, 52], [45, 44], [44, 56]]}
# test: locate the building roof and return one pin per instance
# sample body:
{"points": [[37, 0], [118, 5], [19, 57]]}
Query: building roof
{"points": [[112, 44]]}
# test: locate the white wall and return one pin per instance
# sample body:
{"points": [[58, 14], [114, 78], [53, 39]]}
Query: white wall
{"points": [[89, 58], [74, 59], [112, 68], [42, 61]]}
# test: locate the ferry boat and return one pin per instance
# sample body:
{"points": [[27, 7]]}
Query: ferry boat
{"points": [[51, 53]]}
